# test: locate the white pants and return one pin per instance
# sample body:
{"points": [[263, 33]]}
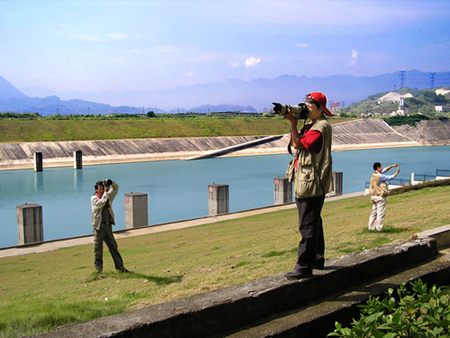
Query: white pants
{"points": [[378, 211]]}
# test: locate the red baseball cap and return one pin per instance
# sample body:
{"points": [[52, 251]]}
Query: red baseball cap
{"points": [[322, 99]]}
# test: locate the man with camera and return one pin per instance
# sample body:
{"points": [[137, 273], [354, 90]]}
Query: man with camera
{"points": [[378, 190], [102, 220], [311, 172]]}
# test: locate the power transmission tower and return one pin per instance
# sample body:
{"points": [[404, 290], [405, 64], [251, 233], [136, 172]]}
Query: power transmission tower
{"points": [[402, 78], [432, 80]]}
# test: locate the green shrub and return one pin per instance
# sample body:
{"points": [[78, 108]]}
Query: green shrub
{"points": [[401, 120], [411, 311]]}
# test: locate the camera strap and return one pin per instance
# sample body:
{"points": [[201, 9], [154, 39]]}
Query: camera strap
{"points": [[301, 134]]}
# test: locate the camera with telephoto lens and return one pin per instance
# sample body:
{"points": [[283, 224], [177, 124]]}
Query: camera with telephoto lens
{"points": [[300, 111], [107, 182]]}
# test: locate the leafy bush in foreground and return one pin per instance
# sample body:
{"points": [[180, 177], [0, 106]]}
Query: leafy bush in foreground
{"points": [[417, 313]]}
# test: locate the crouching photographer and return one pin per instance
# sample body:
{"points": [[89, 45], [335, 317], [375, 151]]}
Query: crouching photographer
{"points": [[311, 172]]}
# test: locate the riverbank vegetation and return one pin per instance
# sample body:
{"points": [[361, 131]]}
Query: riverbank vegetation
{"points": [[43, 291], [31, 127]]}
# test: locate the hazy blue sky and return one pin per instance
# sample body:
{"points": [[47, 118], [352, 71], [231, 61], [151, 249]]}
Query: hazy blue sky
{"points": [[147, 45]]}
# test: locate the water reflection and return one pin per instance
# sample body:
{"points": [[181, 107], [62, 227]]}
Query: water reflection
{"points": [[38, 182]]}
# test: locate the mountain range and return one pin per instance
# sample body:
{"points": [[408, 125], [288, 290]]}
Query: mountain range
{"points": [[230, 95]]}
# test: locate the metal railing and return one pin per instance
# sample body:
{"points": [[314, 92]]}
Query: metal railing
{"points": [[442, 172], [398, 181], [424, 177]]}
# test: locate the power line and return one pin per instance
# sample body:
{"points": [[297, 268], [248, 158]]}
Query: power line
{"points": [[389, 86]]}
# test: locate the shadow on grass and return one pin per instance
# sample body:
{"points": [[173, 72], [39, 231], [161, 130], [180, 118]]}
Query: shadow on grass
{"points": [[95, 276], [389, 230], [279, 253], [372, 242]]}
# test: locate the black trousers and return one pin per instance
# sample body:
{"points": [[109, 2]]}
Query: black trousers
{"points": [[105, 234], [312, 245]]}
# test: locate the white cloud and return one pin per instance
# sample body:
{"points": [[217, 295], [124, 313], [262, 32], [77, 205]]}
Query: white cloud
{"points": [[116, 36], [252, 62], [234, 64], [9, 15], [189, 74], [302, 45], [355, 55], [95, 38]]}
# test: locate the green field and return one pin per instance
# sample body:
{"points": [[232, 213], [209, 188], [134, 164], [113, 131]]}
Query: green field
{"points": [[109, 128], [40, 292]]}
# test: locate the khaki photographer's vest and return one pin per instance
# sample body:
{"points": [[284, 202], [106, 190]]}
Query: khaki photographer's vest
{"points": [[313, 175], [376, 188]]}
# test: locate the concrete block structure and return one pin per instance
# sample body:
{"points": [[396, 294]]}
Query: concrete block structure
{"points": [[38, 161], [282, 190], [338, 180], [136, 210], [78, 159], [218, 199], [30, 227]]}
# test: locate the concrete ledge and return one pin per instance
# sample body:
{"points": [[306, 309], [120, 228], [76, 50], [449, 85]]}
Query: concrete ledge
{"points": [[231, 308], [318, 319], [441, 235]]}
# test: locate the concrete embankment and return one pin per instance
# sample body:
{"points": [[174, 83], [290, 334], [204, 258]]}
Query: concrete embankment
{"points": [[365, 133], [427, 132]]}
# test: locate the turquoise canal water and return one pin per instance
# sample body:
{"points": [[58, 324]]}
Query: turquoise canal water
{"points": [[179, 189]]}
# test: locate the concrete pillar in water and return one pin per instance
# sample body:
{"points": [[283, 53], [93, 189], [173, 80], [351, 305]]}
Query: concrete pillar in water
{"points": [[78, 159], [282, 190], [38, 161], [338, 179], [30, 227], [218, 199], [136, 210]]}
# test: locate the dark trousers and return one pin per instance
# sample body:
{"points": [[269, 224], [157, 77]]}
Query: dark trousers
{"points": [[105, 234], [312, 245]]}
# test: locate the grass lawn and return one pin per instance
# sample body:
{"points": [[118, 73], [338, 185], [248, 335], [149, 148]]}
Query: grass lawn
{"points": [[162, 127], [40, 292]]}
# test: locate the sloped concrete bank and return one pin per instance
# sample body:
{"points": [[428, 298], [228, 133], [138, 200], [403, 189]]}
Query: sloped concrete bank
{"points": [[361, 134], [427, 132], [274, 306], [21, 155]]}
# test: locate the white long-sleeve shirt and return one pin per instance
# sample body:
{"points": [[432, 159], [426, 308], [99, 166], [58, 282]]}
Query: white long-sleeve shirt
{"points": [[98, 204]]}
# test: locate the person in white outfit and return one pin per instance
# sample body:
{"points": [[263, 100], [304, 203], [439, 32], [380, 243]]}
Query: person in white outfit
{"points": [[378, 190]]}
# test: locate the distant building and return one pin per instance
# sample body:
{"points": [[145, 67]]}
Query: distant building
{"points": [[442, 109], [402, 108]]}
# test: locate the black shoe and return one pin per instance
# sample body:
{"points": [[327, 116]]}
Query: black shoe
{"points": [[123, 270], [319, 265], [298, 274]]}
